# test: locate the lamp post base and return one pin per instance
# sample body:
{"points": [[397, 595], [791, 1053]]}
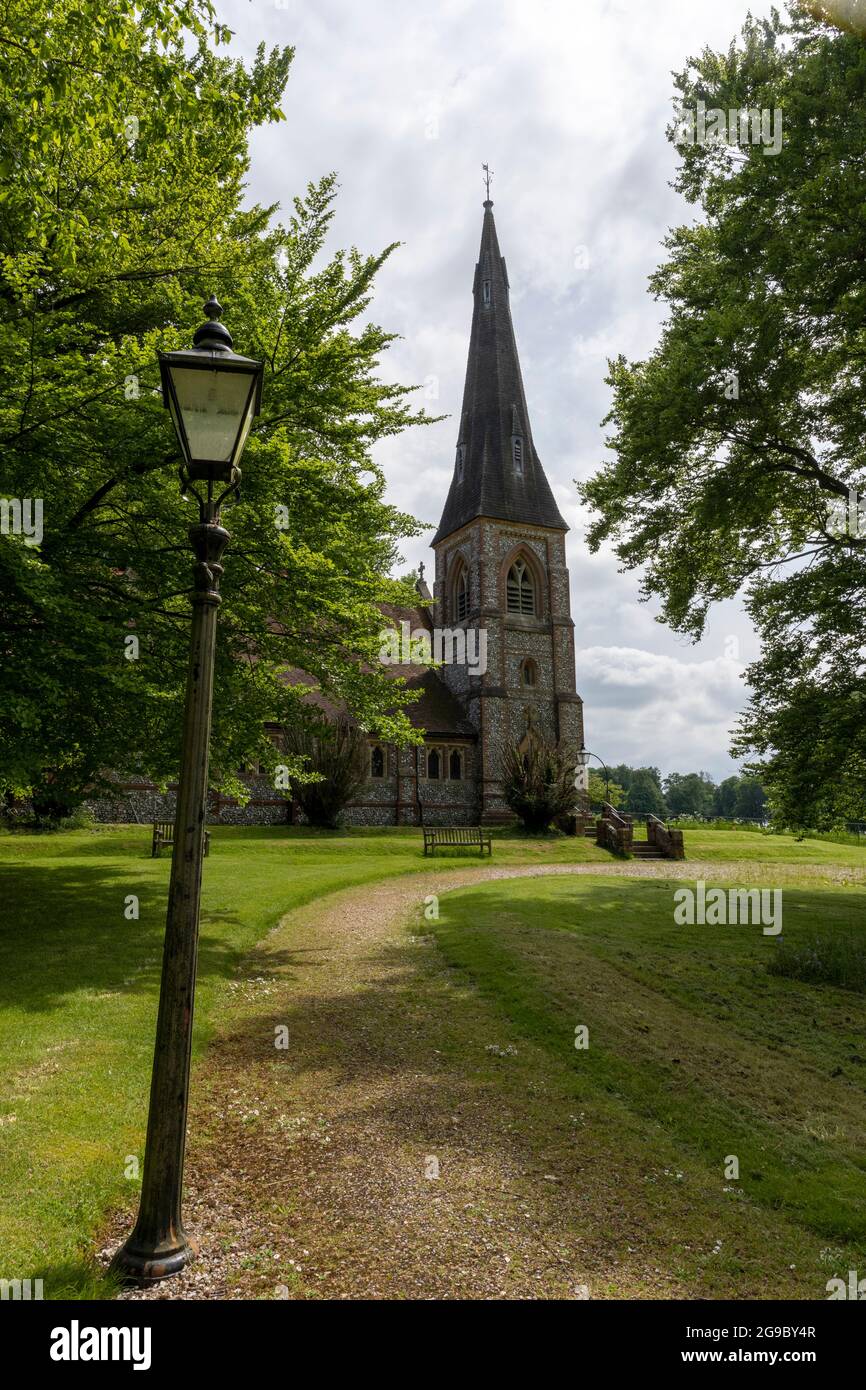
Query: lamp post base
{"points": [[137, 1264]]}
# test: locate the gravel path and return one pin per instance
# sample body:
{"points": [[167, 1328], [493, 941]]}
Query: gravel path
{"points": [[312, 1169]]}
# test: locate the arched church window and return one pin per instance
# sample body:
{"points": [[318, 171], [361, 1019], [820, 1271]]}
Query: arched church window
{"points": [[455, 766], [377, 761], [461, 595], [485, 292], [520, 590], [529, 673], [434, 765]]}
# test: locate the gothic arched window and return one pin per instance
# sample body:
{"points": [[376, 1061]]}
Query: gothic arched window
{"points": [[461, 594], [529, 673], [377, 761], [433, 765], [455, 766], [520, 590]]}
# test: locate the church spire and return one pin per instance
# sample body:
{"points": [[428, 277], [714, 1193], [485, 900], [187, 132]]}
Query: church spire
{"points": [[497, 472]]}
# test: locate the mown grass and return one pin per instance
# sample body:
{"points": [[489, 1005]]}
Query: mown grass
{"points": [[79, 984], [766, 848], [698, 1051], [78, 990]]}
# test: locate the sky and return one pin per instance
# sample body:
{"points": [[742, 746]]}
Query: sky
{"points": [[568, 102]]}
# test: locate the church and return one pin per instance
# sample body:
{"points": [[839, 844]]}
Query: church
{"points": [[500, 592], [500, 574]]}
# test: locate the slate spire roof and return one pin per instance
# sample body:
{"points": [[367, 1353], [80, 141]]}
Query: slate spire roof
{"points": [[497, 472]]}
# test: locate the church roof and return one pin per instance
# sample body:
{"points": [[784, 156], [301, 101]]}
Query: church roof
{"points": [[436, 710], [488, 480]]}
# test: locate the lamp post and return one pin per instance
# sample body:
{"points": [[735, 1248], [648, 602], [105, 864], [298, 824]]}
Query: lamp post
{"points": [[583, 758], [213, 395]]}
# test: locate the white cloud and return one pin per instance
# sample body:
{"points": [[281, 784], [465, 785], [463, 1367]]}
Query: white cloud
{"points": [[647, 707]]}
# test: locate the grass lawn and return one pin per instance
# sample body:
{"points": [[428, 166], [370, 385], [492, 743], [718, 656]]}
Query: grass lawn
{"points": [[695, 1049], [696, 1053], [78, 992], [753, 845]]}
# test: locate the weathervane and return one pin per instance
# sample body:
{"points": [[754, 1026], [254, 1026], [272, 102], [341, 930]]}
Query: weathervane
{"points": [[487, 177]]}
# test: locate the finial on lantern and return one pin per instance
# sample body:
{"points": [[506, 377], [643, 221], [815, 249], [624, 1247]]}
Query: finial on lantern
{"points": [[213, 336]]}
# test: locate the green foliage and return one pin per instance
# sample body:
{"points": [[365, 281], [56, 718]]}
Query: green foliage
{"points": [[643, 790], [839, 837], [336, 753], [689, 794], [121, 208], [600, 790], [725, 797], [538, 782], [712, 489], [719, 823]]}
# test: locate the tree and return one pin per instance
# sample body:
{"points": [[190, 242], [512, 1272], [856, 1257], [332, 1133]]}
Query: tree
{"points": [[751, 803], [740, 797], [334, 753], [643, 789], [740, 443], [725, 798], [538, 781], [121, 208], [599, 790], [690, 794]]}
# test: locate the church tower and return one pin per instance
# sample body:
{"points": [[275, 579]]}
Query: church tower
{"points": [[500, 551]]}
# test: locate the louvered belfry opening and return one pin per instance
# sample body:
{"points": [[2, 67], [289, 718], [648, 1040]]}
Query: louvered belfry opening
{"points": [[461, 596], [520, 590]]}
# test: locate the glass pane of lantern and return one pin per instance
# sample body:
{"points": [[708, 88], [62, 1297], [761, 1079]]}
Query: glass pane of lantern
{"points": [[211, 405]]}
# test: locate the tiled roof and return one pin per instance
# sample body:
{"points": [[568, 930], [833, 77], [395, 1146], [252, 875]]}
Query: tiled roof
{"points": [[494, 413], [437, 711]]}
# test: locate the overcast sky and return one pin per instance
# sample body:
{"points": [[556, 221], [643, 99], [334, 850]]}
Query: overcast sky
{"points": [[568, 101]]}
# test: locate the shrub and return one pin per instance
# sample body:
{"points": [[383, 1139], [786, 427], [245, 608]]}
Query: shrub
{"points": [[25, 816], [538, 782], [337, 753]]}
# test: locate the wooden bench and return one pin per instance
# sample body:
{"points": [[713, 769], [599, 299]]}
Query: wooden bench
{"points": [[454, 835], [163, 834]]}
